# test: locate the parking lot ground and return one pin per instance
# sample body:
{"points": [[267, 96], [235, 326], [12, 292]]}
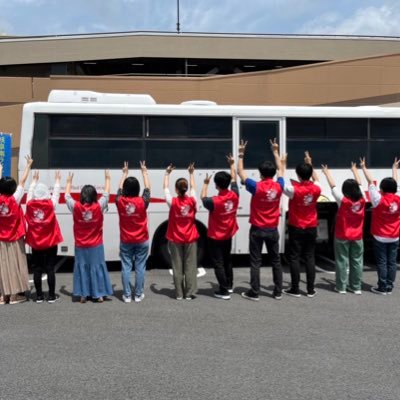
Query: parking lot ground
{"points": [[329, 347]]}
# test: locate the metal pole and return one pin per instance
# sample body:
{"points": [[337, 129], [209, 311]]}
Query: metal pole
{"points": [[178, 25]]}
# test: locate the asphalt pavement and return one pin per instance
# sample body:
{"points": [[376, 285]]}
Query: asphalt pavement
{"points": [[330, 347]]}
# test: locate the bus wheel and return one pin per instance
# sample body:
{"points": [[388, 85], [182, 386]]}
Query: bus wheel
{"points": [[159, 248]]}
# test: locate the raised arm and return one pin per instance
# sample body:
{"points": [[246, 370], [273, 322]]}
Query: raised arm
{"points": [[355, 172], [231, 162], [26, 172], [328, 175], [68, 186], [308, 160], [145, 174], [241, 171], [107, 184], [191, 174], [35, 180], [205, 186], [168, 171], [275, 153], [367, 174], [125, 172], [395, 167], [56, 190]]}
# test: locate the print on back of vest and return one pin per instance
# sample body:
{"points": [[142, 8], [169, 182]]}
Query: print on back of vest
{"points": [[393, 207], [271, 194], [38, 215], [130, 209], [185, 210], [87, 216], [356, 207], [229, 206], [308, 199], [4, 210]]}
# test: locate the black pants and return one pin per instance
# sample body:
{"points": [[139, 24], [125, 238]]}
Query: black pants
{"points": [[44, 261], [221, 260], [302, 250], [270, 237]]}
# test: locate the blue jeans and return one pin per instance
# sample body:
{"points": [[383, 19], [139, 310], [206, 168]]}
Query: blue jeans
{"points": [[129, 252], [385, 255]]}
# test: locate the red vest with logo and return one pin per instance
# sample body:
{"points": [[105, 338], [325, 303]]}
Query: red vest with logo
{"points": [[303, 205], [386, 217], [350, 219], [132, 219], [43, 229], [12, 225], [88, 225], [181, 224], [222, 224], [264, 205]]}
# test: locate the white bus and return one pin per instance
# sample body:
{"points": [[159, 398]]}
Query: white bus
{"points": [[87, 132]]}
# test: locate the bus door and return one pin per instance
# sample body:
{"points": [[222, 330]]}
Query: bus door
{"points": [[257, 132]]}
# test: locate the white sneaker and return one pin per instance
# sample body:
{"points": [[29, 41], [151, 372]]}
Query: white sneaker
{"points": [[340, 291], [201, 272], [126, 299], [357, 291], [138, 299]]}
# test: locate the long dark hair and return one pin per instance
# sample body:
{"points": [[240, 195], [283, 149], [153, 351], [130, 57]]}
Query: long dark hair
{"points": [[351, 189], [131, 187]]}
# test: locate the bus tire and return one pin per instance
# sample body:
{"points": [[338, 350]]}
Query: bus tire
{"points": [[159, 249]]}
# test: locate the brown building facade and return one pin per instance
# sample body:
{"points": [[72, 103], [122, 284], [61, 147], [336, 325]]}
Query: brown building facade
{"points": [[365, 80]]}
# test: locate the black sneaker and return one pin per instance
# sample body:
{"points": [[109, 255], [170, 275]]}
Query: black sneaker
{"points": [[277, 296], [311, 293], [53, 299], [292, 292], [230, 290], [39, 299], [389, 290], [249, 295], [377, 290], [222, 295]]}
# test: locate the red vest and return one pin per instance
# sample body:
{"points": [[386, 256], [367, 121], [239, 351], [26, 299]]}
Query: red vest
{"points": [[264, 205], [88, 225], [132, 220], [350, 219], [12, 226], [386, 217], [222, 223], [43, 229], [181, 224], [303, 205]]}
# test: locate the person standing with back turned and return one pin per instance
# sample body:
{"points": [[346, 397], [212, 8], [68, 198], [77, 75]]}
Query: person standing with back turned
{"points": [[303, 222], [222, 226], [264, 220]]}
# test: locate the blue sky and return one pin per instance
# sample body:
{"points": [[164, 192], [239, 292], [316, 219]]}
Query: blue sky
{"points": [[353, 17]]}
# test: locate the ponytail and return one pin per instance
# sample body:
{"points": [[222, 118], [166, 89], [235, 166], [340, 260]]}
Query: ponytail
{"points": [[181, 186]]}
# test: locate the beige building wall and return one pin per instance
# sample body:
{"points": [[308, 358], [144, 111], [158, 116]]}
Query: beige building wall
{"points": [[366, 81]]}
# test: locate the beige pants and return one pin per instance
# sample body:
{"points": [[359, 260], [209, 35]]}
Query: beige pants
{"points": [[184, 265], [13, 268]]}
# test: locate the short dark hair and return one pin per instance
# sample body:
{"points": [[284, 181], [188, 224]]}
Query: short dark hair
{"points": [[388, 185], [181, 185], [8, 185], [304, 171], [351, 189], [267, 169], [88, 195], [131, 187], [222, 179]]}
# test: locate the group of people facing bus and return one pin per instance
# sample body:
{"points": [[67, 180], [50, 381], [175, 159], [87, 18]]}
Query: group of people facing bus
{"points": [[40, 230]]}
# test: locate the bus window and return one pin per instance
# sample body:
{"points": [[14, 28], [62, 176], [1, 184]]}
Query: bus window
{"points": [[334, 141], [86, 141], [104, 126], [258, 134], [190, 127], [208, 154], [93, 154], [338, 154]]}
